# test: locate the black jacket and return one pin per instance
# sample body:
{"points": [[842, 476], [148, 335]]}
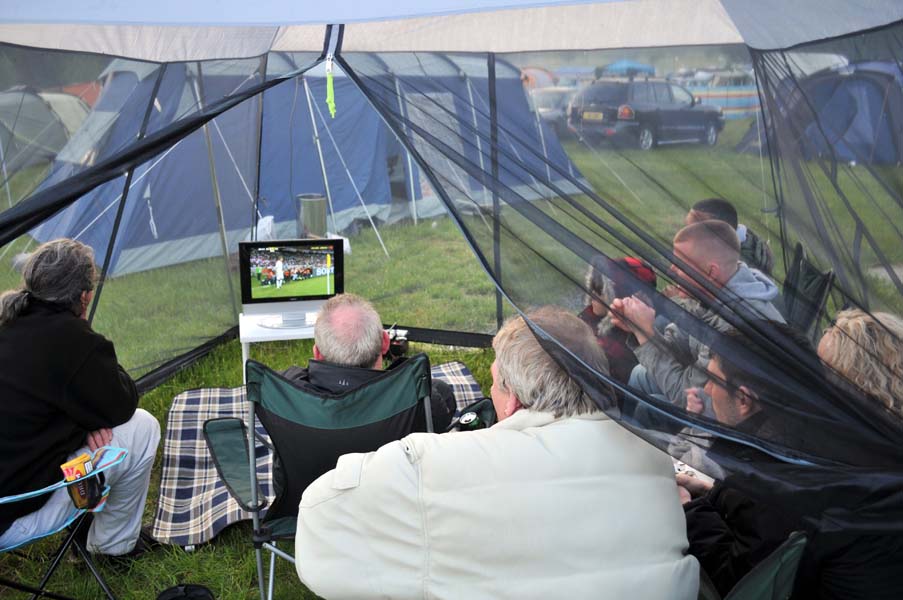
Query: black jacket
{"points": [[730, 533], [59, 381]]}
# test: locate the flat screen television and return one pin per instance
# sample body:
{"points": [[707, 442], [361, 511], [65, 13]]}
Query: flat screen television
{"points": [[290, 270]]}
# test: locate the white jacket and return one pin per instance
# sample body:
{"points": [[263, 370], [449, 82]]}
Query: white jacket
{"points": [[534, 507]]}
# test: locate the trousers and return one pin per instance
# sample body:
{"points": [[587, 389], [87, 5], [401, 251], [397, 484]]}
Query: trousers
{"points": [[115, 529]]}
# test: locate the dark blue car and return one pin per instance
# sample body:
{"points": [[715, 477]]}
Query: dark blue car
{"points": [[645, 112]]}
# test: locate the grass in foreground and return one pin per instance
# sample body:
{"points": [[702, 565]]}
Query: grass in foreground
{"points": [[226, 565]]}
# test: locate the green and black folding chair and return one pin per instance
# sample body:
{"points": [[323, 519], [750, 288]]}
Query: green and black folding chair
{"points": [[771, 579], [309, 430], [805, 292]]}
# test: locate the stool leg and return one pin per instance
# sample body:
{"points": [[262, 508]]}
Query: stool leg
{"points": [[61, 551], [93, 568]]}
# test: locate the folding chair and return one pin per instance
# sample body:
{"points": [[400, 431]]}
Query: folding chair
{"points": [[771, 579], [76, 520], [805, 292], [308, 432]]}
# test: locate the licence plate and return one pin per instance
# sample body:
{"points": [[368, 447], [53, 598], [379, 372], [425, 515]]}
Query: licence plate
{"points": [[593, 116]]}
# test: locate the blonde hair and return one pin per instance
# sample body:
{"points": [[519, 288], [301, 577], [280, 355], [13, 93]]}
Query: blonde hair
{"points": [[525, 369], [866, 349], [56, 272]]}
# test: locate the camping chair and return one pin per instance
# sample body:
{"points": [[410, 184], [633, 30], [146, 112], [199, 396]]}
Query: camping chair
{"points": [[806, 292], [309, 430], [75, 521], [771, 579]]}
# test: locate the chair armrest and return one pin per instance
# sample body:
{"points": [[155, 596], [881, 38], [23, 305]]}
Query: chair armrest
{"points": [[110, 456], [227, 440]]}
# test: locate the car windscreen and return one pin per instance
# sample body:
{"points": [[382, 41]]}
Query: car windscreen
{"points": [[605, 93]]}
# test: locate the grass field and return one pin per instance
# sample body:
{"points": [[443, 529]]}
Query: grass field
{"points": [[315, 286], [430, 278]]}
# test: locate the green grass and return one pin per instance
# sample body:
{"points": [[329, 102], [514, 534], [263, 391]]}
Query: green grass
{"points": [[316, 286]]}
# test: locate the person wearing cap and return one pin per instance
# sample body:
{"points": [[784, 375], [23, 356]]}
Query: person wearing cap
{"points": [[555, 500], [607, 279]]}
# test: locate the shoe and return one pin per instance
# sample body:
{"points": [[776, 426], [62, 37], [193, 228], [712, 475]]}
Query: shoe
{"points": [[145, 543]]}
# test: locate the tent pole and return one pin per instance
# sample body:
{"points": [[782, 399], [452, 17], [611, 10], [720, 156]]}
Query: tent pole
{"points": [[255, 201], [313, 122], [123, 199], [401, 112], [494, 158], [542, 140], [214, 182], [357, 192], [476, 127], [9, 196]]}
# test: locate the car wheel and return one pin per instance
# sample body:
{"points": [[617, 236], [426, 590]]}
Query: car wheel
{"points": [[711, 135], [646, 138]]}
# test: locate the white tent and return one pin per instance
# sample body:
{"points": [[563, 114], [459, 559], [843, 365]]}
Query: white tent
{"points": [[170, 30]]}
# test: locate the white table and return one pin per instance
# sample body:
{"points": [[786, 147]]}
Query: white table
{"points": [[250, 331]]}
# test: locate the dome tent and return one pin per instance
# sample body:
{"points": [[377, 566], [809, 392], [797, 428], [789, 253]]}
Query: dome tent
{"points": [[533, 223]]}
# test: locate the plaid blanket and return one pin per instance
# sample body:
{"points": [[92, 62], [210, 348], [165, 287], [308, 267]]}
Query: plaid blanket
{"points": [[194, 504]]}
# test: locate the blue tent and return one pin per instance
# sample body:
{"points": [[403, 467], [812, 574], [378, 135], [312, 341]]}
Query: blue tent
{"points": [[860, 114], [208, 187], [852, 114]]}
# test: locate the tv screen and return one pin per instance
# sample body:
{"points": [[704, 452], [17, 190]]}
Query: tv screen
{"points": [[290, 270]]}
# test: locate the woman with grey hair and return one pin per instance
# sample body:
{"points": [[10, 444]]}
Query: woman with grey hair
{"points": [[554, 501], [65, 394]]}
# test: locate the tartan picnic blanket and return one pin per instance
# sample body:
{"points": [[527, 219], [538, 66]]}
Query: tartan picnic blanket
{"points": [[194, 504]]}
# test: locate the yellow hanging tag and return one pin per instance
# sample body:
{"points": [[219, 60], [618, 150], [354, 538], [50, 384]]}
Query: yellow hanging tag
{"points": [[330, 88]]}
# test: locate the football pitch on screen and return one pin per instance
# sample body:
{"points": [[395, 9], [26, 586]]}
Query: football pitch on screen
{"points": [[314, 286]]}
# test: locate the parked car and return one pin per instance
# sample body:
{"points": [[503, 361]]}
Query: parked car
{"points": [[646, 112], [551, 103]]}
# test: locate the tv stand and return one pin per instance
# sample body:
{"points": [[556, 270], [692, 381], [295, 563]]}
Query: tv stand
{"points": [[251, 330]]}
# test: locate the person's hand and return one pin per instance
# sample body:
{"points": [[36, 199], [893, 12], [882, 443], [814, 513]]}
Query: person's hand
{"points": [[674, 291], [599, 309], [633, 315], [694, 485], [694, 402], [683, 494], [101, 437], [617, 309]]}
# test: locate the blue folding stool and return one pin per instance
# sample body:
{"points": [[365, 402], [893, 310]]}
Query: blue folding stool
{"points": [[75, 520]]}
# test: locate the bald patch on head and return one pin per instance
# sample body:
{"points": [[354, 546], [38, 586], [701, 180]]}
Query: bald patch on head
{"points": [[349, 332], [346, 322]]}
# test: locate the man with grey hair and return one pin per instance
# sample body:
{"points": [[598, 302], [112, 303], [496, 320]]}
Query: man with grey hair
{"points": [[555, 500], [349, 345], [350, 333]]}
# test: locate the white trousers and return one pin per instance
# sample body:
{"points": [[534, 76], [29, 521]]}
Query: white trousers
{"points": [[115, 529]]}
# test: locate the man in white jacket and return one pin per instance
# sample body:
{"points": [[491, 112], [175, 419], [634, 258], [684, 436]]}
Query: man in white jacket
{"points": [[554, 501]]}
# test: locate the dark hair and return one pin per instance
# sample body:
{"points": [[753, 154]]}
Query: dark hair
{"points": [[737, 374], [718, 208]]}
